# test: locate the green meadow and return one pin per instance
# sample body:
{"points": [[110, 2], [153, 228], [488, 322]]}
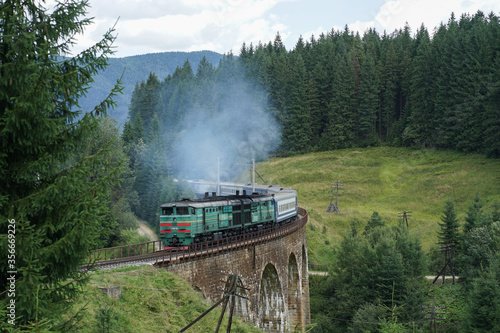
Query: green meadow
{"points": [[386, 180]]}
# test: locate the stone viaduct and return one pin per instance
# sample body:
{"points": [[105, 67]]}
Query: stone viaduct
{"points": [[275, 272]]}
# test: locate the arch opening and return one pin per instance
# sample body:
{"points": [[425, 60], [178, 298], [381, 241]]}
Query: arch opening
{"points": [[294, 299], [241, 307], [305, 285], [271, 303]]}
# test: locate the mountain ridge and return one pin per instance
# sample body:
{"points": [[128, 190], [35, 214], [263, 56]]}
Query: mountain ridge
{"points": [[136, 69]]}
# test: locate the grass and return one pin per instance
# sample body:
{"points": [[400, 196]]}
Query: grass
{"points": [[152, 300], [383, 179]]}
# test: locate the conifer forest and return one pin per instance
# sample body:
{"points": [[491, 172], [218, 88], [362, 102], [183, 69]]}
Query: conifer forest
{"points": [[73, 180], [437, 88]]}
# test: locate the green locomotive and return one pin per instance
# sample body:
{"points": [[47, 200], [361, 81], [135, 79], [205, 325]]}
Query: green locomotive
{"points": [[214, 217]]}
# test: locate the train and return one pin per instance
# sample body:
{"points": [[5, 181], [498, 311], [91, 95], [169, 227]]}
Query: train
{"points": [[200, 187], [214, 217]]}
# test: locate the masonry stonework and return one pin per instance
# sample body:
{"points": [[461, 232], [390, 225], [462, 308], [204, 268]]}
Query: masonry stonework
{"points": [[275, 273]]}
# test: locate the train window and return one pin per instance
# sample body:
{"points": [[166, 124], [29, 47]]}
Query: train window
{"points": [[192, 211], [167, 211], [182, 210]]}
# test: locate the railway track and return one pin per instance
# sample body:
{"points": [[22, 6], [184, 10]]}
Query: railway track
{"points": [[147, 253]]}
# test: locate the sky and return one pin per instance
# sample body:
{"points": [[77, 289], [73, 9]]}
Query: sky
{"points": [[151, 26]]}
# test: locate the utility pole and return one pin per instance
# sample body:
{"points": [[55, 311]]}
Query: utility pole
{"points": [[449, 260], [218, 176], [404, 215], [253, 176], [231, 287], [333, 207], [432, 318]]}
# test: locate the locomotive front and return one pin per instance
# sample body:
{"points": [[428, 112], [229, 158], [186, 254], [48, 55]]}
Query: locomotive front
{"points": [[178, 222]]}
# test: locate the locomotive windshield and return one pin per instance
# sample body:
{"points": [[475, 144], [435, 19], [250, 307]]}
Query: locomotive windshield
{"points": [[182, 210], [167, 211]]}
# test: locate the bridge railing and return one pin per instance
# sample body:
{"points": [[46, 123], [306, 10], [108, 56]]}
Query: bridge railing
{"points": [[198, 249], [231, 243], [124, 251]]}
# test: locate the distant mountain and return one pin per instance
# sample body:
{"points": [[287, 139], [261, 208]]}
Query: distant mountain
{"points": [[137, 69]]}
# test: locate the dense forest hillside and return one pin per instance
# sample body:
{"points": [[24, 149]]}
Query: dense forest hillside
{"points": [[136, 69], [334, 91]]}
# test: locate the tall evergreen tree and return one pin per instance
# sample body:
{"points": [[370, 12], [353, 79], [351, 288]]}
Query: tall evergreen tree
{"points": [[382, 267], [342, 108], [423, 121], [449, 233], [297, 129], [388, 90], [56, 193], [474, 214], [369, 102], [279, 73], [482, 310]]}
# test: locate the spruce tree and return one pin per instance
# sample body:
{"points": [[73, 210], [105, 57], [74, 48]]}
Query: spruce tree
{"points": [[482, 310], [369, 101], [449, 233], [423, 120], [388, 87], [54, 192], [474, 214], [297, 130]]}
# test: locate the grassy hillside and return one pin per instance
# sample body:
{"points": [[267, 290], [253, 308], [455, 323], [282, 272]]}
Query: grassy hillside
{"points": [[152, 300], [386, 180]]}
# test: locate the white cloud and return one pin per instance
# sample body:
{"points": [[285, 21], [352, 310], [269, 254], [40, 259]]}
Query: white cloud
{"points": [[222, 25], [182, 25], [394, 14]]}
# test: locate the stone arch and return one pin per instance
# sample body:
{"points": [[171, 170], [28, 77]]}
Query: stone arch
{"points": [[293, 300], [271, 304], [305, 283], [242, 308]]}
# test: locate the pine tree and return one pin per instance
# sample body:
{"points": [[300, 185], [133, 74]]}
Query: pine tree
{"points": [[342, 110], [449, 233], [474, 214], [369, 102], [148, 102], [52, 186], [482, 311], [383, 267], [423, 121], [388, 83], [375, 221], [297, 130]]}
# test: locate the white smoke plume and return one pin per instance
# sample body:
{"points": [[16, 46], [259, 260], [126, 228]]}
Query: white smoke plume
{"points": [[235, 131]]}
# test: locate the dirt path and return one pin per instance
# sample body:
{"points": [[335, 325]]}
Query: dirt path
{"points": [[147, 231]]}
